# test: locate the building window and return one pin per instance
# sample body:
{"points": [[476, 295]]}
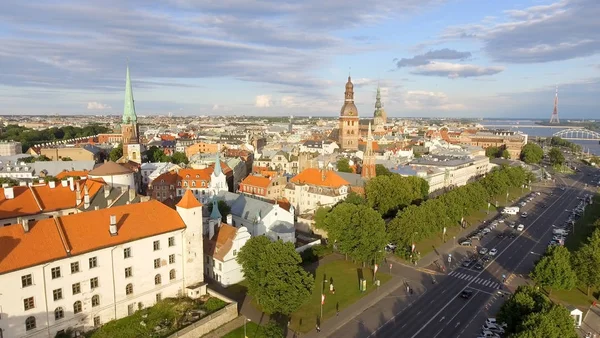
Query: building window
{"points": [[95, 300], [76, 288], [93, 262], [59, 313], [128, 272], [158, 297], [28, 303], [127, 253], [55, 272], [26, 280], [77, 307], [74, 267], [172, 259], [193, 183], [172, 274], [57, 294], [30, 323], [157, 279], [157, 263], [156, 245], [129, 289], [171, 241], [97, 321], [94, 283]]}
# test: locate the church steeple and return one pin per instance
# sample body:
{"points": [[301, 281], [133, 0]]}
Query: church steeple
{"points": [[368, 164], [349, 94], [378, 104], [218, 171], [129, 115]]}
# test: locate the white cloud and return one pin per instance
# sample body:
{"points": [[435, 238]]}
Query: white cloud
{"points": [[263, 101], [216, 107], [97, 106], [424, 100], [563, 30], [455, 70]]}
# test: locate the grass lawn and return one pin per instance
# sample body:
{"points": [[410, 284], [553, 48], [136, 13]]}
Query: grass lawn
{"points": [[577, 297], [345, 280], [426, 246], [253, 330]]}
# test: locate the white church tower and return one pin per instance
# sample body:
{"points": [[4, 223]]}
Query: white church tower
{"points": [[218, 180], [190, 211]]}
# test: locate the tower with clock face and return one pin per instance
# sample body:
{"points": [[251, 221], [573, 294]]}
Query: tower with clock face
{"points": [[348, 131]]}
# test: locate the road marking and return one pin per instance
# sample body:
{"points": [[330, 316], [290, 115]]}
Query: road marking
{"points": [[456, 296], [457, 324], [451, 319], [444, 317], [418, 312]]}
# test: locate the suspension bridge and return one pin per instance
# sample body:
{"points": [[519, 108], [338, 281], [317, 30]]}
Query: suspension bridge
{"points": [[578, 134]]}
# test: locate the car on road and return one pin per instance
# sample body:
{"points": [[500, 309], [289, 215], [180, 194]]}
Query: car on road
{"points": [[524, 215], [493, 252], [466, 294], [467, 263], [483, 251], [478, 266], [521, 227], [466, 243]]}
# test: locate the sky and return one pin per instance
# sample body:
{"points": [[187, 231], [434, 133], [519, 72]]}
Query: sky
{"points": [[431, 58]]}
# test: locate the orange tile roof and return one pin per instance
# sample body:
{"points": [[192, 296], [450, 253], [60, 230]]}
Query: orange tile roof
{"points": [[40, 245], [83, 232], [59, 198], [168, 177], [88, 231], [256, 181], [189, 201], [22, 204], [222, 242], [314, 176], [195, 174], [72, 173]]}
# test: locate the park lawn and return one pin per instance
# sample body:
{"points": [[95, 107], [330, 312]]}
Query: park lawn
{"points": [[345, 281], [253, 330], [576, 297], [427, 245]]}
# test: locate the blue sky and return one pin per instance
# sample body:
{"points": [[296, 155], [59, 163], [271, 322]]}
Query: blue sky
{"points": [[434, 58]]}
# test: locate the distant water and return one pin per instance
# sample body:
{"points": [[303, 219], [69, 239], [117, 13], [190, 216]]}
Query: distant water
{"points": [[594, 146]]}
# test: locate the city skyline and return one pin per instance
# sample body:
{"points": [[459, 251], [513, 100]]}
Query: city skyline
{"points": [[285, 58]]}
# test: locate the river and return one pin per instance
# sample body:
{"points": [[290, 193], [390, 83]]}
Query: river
{"points": [[593, 146]]}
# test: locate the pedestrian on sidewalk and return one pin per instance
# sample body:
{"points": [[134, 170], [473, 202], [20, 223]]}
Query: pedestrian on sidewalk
{"points": [[318, 329]]}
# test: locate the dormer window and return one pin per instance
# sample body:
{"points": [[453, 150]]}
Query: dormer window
{"points": [[197, 176], [185, 184], [203, 183], [193, 183], [162, 181], [179, 184], [187, 176]]}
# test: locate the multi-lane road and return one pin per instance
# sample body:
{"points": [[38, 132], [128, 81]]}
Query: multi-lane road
{"points": [[442, 312]]}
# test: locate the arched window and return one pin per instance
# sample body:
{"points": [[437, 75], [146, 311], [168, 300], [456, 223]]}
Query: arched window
{"points": [[172, 274], [77, 307], [95, 300], [129, 289], [157, 279], [179, 184], [203, 183], [59, 313], [187, 176], [185, 184], [193, 183], [30, 323]]}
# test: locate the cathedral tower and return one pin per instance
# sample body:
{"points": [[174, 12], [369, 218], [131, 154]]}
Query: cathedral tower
{"points": [[348, 130], [379, 115], [129, 128]]}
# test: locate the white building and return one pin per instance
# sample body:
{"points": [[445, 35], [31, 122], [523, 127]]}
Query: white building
{"points": [[9, 148], [80, 271], [151, 171], [114, 175], [322, 147], [221, 247], [17, 170], [314, 188]]}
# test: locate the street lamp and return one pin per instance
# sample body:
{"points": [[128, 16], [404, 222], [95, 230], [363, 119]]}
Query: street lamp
{"points": [[245, 321]]}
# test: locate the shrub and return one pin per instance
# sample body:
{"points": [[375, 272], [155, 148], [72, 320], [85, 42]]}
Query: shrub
{"points": [[213, 305]]}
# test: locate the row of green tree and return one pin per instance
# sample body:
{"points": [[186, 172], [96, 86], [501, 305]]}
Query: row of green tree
{"points": [[529, 313], [497, 152], [29, 137], [418, 222], [153, 154]]}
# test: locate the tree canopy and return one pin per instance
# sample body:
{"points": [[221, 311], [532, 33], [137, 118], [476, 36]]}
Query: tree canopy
{"points": [[274, 275], [388, 194], [525, 301], [179, 157], [381, 170], [586, 262], [532, 153], [493, 152], [343, 165], [354, 198], [554, 270], [29, 137], [155, 154], [556, 156], [116, 153], [358, 230]]}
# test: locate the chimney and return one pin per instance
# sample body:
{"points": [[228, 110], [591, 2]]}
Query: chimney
{"points": [[64, 183], [113, 225], [52, 184], [86, 197], [22, 184], [9, 193], [25, 224], [109, 202], [71, 184], [96, 207], [78, 194], [41, 181], [4, 185], [106, 190], [131, 195], [229, 219]]}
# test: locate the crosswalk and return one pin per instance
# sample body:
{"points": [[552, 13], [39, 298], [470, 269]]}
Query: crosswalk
{"points": [[476, 280]]}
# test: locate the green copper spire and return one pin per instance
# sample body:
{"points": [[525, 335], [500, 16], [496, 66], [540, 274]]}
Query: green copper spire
{"points": [[129, 108]]}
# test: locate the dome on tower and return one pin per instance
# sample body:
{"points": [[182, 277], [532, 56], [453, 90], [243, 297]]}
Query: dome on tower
{"points": [[349, 109], [349, 85]]}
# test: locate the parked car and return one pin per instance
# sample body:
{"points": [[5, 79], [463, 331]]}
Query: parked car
{"points": [[521, 227], [493, 252], [466, 243], [467, 263], [483, 251]]}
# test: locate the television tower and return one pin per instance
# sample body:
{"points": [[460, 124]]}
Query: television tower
{"points": [[554, 117]]}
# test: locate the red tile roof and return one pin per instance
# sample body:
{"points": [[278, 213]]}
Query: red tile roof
{"points": [[72, 173], [221, 243], [189, 201], [256, 181], [315, 177]]}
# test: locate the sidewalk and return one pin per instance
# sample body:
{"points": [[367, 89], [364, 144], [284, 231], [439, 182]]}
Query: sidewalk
{"points": [[591, 322]]}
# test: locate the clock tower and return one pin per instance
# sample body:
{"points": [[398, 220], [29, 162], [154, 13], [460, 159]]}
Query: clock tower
{"points": [[348, 130]]}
